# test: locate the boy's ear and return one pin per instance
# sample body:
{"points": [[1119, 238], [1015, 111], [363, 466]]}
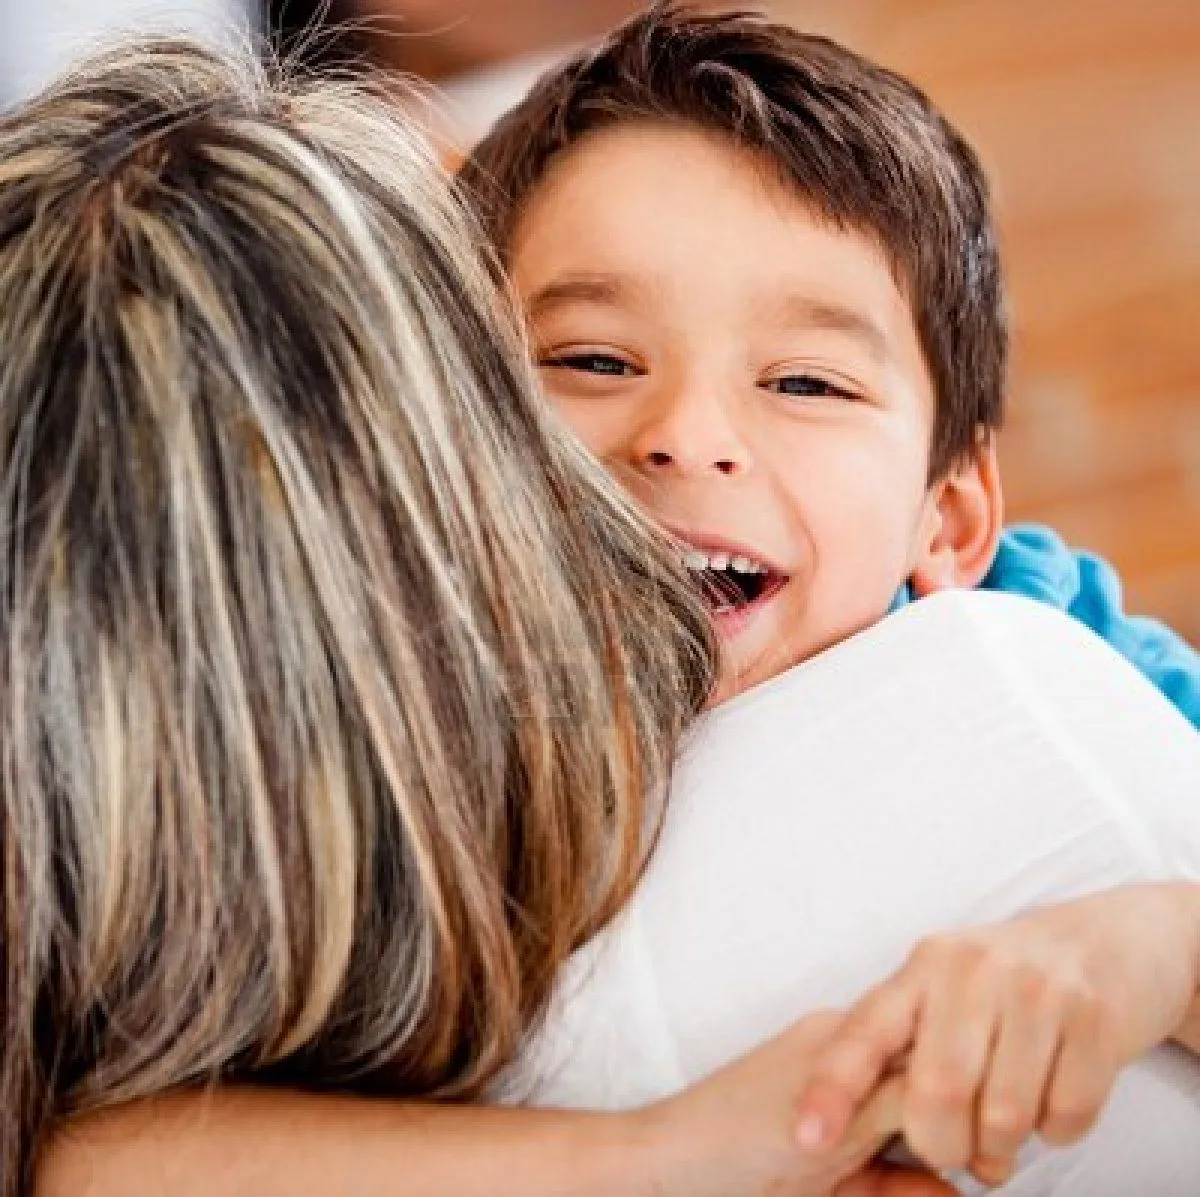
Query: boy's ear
{"points": [[963, 518]]}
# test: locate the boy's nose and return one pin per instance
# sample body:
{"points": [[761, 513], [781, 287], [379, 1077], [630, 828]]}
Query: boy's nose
{"points": [[659, 459], [691, 439]]}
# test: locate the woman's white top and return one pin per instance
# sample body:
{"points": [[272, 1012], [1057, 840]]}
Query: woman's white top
{"points": [[970, 757]]}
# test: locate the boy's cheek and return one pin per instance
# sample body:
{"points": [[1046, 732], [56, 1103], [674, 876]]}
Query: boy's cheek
{"points": [[604, 428]]}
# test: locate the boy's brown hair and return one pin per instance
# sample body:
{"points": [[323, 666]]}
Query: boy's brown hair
{"points": [[861, 145]]}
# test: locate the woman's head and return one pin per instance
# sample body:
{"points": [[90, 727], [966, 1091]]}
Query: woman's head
{"points": [[332, 677]]}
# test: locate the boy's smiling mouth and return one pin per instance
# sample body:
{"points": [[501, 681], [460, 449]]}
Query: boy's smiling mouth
{"points": [[736, 581]]}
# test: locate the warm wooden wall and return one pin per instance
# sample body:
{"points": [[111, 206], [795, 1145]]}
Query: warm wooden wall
{"points": [[1087, 113]]}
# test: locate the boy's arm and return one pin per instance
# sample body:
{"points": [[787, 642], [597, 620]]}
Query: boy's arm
{"points": [[1032, 560], [271, 1143], [732, 1135]]}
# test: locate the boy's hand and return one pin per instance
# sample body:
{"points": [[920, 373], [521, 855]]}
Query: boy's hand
{"points": [[734, 1134], [1015, 1028]]}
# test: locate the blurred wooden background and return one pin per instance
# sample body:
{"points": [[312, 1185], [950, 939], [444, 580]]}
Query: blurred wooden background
{"points": [[1087, 114]]}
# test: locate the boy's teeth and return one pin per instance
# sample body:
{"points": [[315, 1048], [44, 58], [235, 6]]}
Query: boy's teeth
{"points": [[696, 559]]}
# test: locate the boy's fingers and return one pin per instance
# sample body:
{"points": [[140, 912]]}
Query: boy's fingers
{"points": [[875, 1125], [1018, 1078], [1083, 1075], [950, 1059], [993, 1171], [849, 1068], [878, 1121]]}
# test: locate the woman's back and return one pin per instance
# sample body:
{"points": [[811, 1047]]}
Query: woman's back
{"points": [[295, 588]]}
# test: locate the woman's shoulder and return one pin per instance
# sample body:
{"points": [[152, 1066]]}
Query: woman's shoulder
{"points": [[965, 639], [965, 685], [1067, 681]]}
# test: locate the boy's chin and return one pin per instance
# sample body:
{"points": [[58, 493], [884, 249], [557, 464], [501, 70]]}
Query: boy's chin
{"points": [[741, 671], [746, 664]]}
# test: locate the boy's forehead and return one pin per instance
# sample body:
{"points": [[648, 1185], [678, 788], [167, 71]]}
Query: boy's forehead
{"points": [[643, 169], [632, 215]]}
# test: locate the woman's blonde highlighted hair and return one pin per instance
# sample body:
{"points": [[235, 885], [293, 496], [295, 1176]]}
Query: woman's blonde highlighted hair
{"points": [[335, 682]]}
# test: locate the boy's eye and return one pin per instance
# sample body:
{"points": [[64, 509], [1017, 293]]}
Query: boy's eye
{"points": [[807, 386], [603, 364]]}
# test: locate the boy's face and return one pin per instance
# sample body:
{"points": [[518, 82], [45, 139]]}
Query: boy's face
{"points": [[751, 374]]}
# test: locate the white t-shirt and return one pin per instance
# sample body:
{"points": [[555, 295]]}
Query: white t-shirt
{"points": [[970, 757]]}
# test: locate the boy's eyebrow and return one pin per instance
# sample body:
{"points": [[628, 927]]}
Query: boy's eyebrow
{"points": [[584, 287], [804, 311], [807, 312]]}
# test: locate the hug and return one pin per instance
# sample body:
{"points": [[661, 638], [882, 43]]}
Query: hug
{"points": [[520, 684]]}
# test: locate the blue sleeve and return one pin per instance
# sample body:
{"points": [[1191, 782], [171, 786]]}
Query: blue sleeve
{"points": [[1034, 561]]}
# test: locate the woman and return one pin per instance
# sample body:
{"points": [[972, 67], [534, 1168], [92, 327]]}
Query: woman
{"points": [[336, 682]]}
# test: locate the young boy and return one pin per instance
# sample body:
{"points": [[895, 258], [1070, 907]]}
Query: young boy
{"points": [[762, 283]]}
